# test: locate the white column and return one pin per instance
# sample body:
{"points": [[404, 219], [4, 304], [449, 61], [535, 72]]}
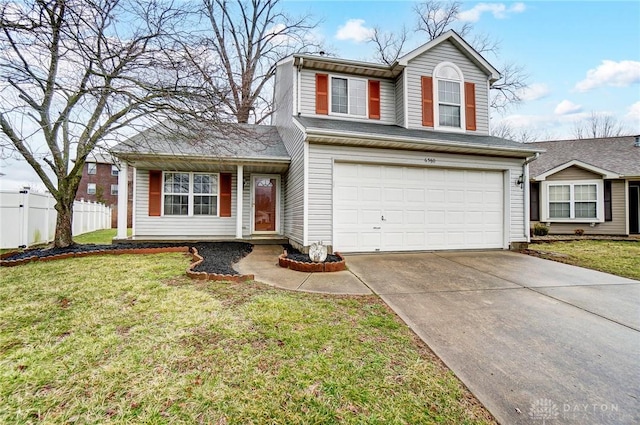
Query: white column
{"points": [[239, 193], [123, 195]]}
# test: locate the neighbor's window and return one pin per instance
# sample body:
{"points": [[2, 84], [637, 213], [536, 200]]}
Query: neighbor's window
{"points": [[448, 97], [190, 194], [348, 96], [573, 201], [92, 168], [114, 170], [91, 189], [114, 189]]}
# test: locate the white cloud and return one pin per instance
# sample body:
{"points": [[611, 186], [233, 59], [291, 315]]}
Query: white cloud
{"points": [[354, 30], [567, 107], [632, 118], [498, 10], [611, 73], [534, 92]]}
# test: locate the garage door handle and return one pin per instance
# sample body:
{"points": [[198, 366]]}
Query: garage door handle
{"points": [[376, 228]]}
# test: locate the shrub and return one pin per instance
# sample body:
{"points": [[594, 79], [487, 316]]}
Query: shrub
{"points": [[579, 232], [540, 229]]}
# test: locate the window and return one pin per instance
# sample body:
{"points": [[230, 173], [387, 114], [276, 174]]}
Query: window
{"points": [[92, 168], [190, 194], [91, 188], [348, 96], [577, 201], [114, 189], [114, 170], [449, 96]]}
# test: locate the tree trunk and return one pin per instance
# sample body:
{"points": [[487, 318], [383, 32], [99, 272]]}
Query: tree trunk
{"points": [[64, 225]]}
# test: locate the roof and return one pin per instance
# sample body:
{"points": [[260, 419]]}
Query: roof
{"points": [[99, 158], [227, 141], [377, 70], [615, 154], [372, 134]]}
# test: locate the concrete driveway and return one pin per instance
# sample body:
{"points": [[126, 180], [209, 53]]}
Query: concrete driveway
{"points": [[536, 341]]}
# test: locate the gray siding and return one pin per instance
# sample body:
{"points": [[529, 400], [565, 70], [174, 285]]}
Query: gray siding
{"points": [[400, 101], [308, 97], [618, 223], [574, 173], [321, 159], [176, 227], [424, 65], [293, 138]]}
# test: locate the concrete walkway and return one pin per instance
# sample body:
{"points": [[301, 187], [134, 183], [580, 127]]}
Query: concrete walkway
{"points": [[263, 264]]}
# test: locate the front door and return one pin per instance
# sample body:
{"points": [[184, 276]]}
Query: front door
{"points": [[634, 207], [265, 204]]}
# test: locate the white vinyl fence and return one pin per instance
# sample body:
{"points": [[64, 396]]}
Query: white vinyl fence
{"points": [[30, 218]]}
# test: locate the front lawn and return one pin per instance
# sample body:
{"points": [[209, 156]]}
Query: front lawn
{"points": [[621, 258], [129, 339]]}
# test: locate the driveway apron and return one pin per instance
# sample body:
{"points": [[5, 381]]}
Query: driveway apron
{"points": [[536, 341]]}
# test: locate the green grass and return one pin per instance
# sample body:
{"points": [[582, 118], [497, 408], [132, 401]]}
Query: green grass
{"points": [[101, 237], [129, 339], [621, 258]]}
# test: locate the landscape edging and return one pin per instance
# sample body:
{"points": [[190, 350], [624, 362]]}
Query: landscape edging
{"points": [[197, 259], [301, 266]]}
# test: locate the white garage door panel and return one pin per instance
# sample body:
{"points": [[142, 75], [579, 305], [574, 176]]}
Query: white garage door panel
{"points": [[394, 208]]}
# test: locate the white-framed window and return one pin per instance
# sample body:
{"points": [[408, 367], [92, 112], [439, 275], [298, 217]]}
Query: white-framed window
{"points": [[114, 170], [190, 194], [114, 189], [449, 96], [579, 201], [348, 96], [91, 189], [92, 168]]}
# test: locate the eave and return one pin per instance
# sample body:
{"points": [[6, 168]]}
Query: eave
{"points": [[174, 162], [344, 66]]}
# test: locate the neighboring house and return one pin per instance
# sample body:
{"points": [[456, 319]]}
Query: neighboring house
{"points": [[587, 184], [99, 183], [361, 156]]}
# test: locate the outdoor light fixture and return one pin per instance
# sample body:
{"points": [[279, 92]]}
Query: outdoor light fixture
{"points": [[520, 181]]}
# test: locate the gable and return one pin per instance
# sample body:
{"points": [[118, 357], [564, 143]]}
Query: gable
{"points": [[574, 173]]}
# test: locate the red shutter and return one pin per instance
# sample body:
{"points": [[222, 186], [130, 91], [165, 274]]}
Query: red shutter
{"points": [[322, 94], [427, 101], [470, 105], [374, 99], [155, 193], [225, 195]]}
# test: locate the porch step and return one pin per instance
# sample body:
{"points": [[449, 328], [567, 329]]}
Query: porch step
{"points": [[256, 240]]}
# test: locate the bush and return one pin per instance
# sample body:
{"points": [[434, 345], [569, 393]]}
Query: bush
{"points": [[579, 232], [540, 230]]}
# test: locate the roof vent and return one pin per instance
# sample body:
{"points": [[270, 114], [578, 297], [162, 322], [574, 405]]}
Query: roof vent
{"points": [[637, 143]]}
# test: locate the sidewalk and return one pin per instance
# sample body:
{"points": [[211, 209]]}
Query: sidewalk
{"points": [[263, 264]]}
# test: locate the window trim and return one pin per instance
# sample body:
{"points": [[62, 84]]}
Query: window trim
{"points": [[95, 189], [116, 169], [95, 168], [365, 116], [116, 190], [190, 195], [599, 218], [436, 98]]}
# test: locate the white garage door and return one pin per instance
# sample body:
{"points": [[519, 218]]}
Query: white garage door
{"points": [[393, 208]]}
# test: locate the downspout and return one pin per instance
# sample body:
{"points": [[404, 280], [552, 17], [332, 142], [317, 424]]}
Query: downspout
{"points": [[527, 200], [297, 91]]}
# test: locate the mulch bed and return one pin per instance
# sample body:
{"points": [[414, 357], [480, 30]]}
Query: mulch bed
{"points": [[217, 257], [294, 254]]}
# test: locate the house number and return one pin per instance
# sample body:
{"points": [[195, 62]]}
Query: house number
{"points": [[430, 160]]}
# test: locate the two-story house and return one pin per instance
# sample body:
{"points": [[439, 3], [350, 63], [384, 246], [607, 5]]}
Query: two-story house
{"points": [[361, 156]]}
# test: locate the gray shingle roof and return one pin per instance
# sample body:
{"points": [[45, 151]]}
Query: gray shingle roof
{"points": [[395, 131], [225, 141], [616, 154]]}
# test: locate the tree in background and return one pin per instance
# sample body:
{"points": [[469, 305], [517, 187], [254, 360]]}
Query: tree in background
{"points": [[247, 39], [598, 126], [435, 18], [74, 73]]}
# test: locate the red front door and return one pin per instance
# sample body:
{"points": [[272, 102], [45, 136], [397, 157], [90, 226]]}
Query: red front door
{"points": [[265, 201]]}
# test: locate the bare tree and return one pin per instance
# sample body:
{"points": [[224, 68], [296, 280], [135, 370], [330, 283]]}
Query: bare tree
{"points": [[434, 18], [74, 73], [523, 135], [598, 126], [388, 45], [249, 38]]}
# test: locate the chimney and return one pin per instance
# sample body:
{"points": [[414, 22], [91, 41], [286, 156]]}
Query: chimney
{"points": [[637, 143]]}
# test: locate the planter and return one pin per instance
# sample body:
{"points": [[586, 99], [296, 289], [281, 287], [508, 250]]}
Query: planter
{"points": [[197, 259], [306, 267]]}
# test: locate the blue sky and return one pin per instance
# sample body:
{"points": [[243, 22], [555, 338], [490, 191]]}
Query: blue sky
{"points": [[580, 56]]}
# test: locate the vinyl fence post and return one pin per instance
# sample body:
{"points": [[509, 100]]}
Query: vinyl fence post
{"points": [[24, 217]]}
